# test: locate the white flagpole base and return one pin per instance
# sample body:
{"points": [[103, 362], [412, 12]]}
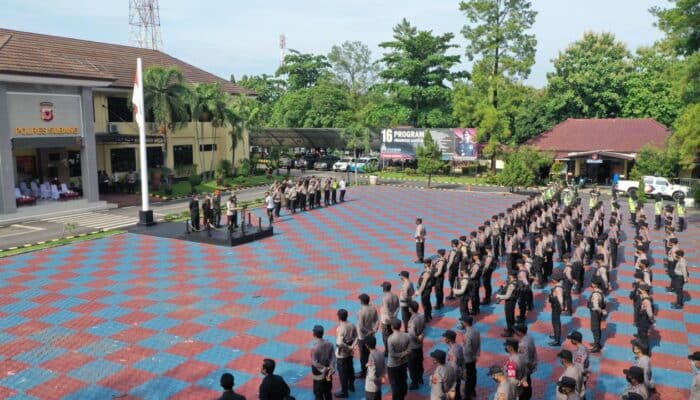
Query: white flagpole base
{"points": [[146, 218]]}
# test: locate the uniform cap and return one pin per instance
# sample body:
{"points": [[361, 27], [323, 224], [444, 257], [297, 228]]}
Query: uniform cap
{"points": [[466, 318], [644, 287], [557, 275], [439, 355], [634, 372], [386, 285], [695, 356], [576, 335], [318, 330], [512, 343], [567, 382], [632, 396], [450, 334], [565, 355], [639, 275], [522, 328], [441, 252], [403, 274], [597, 281], [495, 369], [364, 297], [642, 346]]}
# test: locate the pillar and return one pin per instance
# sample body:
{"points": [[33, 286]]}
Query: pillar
{"points": [[88, 151], [7, 167]]}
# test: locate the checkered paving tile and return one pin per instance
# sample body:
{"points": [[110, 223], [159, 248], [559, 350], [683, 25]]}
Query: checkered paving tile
{"points": [[141, 317]]}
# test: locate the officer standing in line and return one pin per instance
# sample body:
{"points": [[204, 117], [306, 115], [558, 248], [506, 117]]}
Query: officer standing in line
{"points": [[345, 342], [439, 267], [367, 319], [658, 210], [632, 202], [455, 358], [567, 283], [680, 212], [461, 287], [322, 360], [453, 261], [419, 236], [566, 389], [571, 370], [635, 377], [416, 328], [506, 389], [510, 296], [528, 350], [516, 369], [425, 284], [596, 305], [580, 357], [399, 353], [474, 283], [471, 345], [405, 297], [645, 318], [489, 265], [695, 386], [388, 310], [643, 361], [679, 278], [443, 381], [194, 212], [376, 368]]}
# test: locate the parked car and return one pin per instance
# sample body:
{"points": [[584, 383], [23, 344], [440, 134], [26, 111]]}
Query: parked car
{"points": [[325, 163], [286, 161], [653, 185], [307, 161], [361, 162], [343, 164]]}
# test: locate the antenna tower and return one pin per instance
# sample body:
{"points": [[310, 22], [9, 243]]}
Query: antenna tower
{"points": [[144, 24], [283, 48]]}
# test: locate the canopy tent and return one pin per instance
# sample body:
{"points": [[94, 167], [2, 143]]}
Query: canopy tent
{"points": [[297, 137]]}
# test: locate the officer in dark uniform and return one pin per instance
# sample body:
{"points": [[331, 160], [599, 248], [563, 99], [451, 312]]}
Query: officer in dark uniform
{"points": [[194, 212], [487, 270], [567, 283], [510, 296], [596, 305], [556, 300], [439, 267], [474, 283], [645, 319], [455, 258]]}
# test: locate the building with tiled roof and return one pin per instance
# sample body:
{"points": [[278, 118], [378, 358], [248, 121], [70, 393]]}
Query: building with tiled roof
{"points": [[601, 148], [65, 119]]}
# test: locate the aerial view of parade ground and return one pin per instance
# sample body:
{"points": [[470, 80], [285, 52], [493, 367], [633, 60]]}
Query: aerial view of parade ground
{"points": [[136, 316]]}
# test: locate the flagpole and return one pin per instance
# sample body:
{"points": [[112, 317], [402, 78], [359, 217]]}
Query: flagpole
{"points": [[145, 215]]}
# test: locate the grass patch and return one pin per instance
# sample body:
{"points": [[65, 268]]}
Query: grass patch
{"points": [[59, 242], [183, 188], [455, 179]]}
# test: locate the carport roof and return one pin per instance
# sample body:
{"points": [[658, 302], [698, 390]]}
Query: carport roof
{"points": [[297, 137]]}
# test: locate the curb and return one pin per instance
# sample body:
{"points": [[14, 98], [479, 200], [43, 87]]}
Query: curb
{"points": [[24, 246]]}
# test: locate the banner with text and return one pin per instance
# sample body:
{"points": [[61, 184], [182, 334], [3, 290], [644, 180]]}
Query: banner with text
{"points": [[457, 144]]}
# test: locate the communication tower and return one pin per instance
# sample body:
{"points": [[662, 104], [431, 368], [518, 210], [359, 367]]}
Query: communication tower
{"points": [[144, 24], [283, 47]]}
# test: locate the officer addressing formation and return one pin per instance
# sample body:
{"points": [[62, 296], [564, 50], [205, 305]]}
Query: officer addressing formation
{"points": [[524, 240]]}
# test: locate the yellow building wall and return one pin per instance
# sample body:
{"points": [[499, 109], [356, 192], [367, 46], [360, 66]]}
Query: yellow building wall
{"points": [[192, 133]]}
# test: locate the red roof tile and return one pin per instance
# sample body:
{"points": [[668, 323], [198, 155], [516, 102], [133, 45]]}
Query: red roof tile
{"points": [[616, 134], [25, 53]]}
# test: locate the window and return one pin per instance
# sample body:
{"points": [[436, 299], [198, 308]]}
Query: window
{"points": [[154, 155], [207, 147], [118, 110], [123, 160], [182, 155], [74, 168]]}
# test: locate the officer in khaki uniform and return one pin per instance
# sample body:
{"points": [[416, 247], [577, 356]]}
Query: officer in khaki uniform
{"points": [[506, 389]]}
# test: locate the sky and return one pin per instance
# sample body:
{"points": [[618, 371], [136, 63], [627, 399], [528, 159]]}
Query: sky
{"points": [[242, 36]]}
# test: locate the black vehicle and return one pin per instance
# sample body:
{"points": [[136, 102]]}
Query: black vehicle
{"points": [[307, 161], [325, 163]]}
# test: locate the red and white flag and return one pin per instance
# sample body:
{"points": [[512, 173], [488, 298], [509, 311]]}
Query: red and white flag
{"points": [[137, 97]]}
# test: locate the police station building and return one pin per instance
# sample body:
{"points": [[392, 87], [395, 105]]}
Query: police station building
{"points": [[65, 117]]}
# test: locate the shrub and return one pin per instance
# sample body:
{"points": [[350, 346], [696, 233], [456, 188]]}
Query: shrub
{"points": [[410, 171], [696, 195], [195, 180]]}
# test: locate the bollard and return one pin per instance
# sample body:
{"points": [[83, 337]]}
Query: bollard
{"points": [[187, 227], [250, 221]]}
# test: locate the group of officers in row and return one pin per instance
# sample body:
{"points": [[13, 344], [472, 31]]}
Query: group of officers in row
{"points": [[523, 234]]}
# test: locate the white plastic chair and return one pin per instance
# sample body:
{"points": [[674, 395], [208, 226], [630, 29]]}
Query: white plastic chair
{"points": [[25, 189], [64, 188], [35, 189], [18, 194], [55, 195], [45, 191]]}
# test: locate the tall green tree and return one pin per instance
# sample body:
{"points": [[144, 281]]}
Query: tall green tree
{"points": [[418, 71], [353, 66], [356, 137], [325, 105], [650, 91], [429, 156], [241, 115], [303, 70], [165, 97], [268, 90], [590, 78], [496, 33], [655, 162], [681, 24], [207, 103], [686, 136]]}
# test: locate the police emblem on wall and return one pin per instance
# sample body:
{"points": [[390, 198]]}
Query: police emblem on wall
{"points": [[46, 108]]}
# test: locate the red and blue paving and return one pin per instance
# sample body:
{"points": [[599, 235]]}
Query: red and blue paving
{"points": [[140, 317]]}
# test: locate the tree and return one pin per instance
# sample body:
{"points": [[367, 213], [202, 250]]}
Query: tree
{"points": [[417, 72], [165, 98], [686, 138], [353, 66], [268, 90], [303, 70], [655, 162], [590, 78], [325, 105], [525, 167], [496, 32], [207, 103], [681, 24], [241, 115], [429, 157], [356, 136], [650, 87]]}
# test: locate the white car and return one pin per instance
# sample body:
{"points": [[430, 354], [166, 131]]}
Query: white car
{"points": [[361, 162], [343, 164], [653, 185]]}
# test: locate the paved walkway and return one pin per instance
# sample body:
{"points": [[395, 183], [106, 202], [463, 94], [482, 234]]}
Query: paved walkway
{"points": [[139, 317]]}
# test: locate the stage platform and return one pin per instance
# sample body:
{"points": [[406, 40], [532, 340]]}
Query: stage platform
{"points": [[219, 237]]}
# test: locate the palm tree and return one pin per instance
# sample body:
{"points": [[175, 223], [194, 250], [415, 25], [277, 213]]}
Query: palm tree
{"points": [[165, 96], [207, 103], [241, 114]]}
